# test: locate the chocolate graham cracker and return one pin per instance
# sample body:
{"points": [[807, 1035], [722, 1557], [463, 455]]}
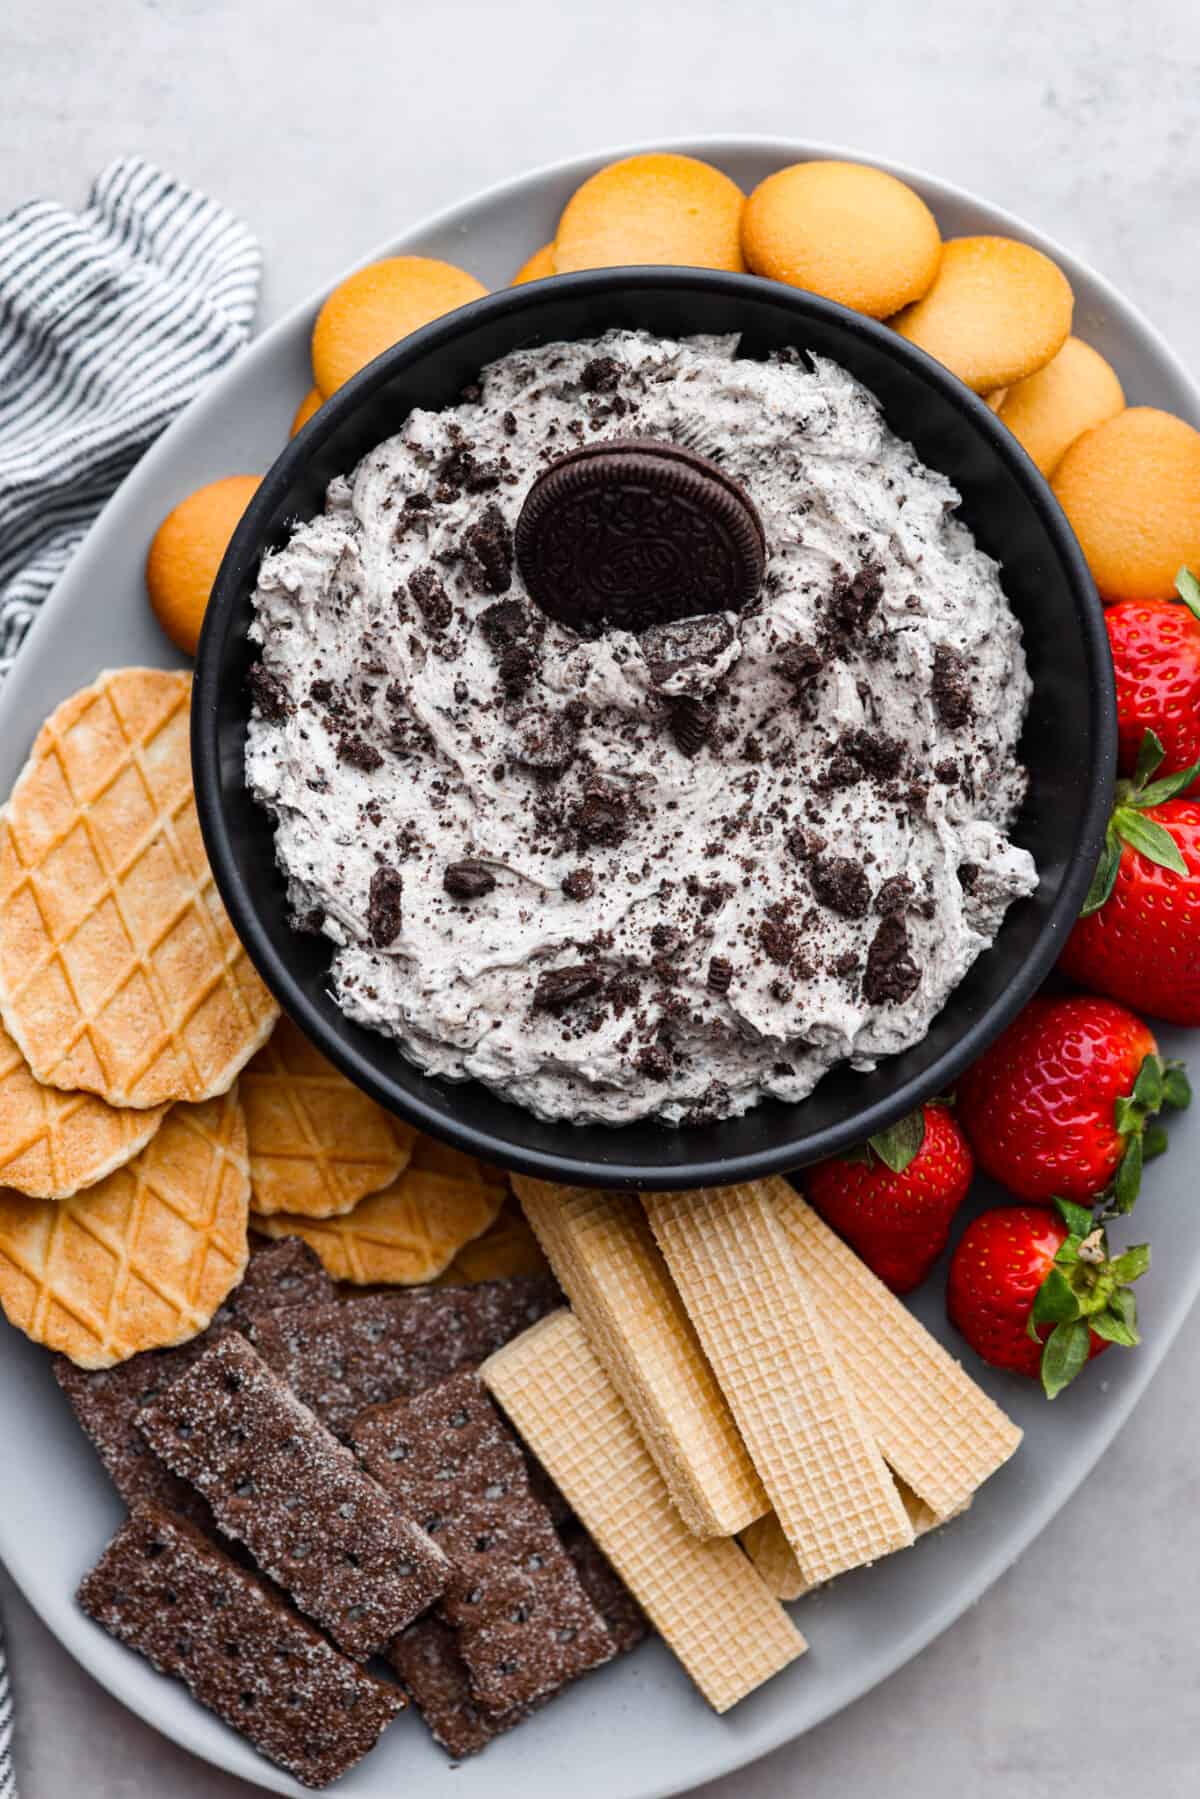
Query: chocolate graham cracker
{"points": [[341, 1359], [525, 1625], [107, 1401], [278, 1482], [168, 1592]]}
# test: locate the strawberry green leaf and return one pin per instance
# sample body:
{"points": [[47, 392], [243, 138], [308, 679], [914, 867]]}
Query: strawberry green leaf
{"points": [[1126, 1115], [1055, 1302], [1148, 1088], [1124, 1307], [1132, 1263], [1077, 1219], [901, 1142], [1114, 1330], [1154, 1142], [1177, 1089], [1066, 1352], [1149, 757], [1188, 589], [1129, 1175], [1104, 879], [1169, 788], [1149, 839]]}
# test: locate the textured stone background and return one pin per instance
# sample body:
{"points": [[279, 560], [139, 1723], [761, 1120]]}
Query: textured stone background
{"points": [[328, 127]]}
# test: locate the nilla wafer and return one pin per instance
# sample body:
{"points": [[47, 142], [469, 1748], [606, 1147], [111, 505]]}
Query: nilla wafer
{"points": [[186, 553], [652, 209], [998, 311], [539, 265], [1131, 490], [377, 306], [1046, 412], [313, 399], [843, 230]]}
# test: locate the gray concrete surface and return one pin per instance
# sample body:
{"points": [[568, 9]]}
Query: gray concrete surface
{"points": [[328, 126]]}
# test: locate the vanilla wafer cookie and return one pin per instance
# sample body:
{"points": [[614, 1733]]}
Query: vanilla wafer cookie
{"points": [[762, 1332], [53, 1143], [772, 1554], [119, 972], [938, 1431], [318, 1144], [601, 1248], [411, 1230], [702, 1595], [141, 1260]]}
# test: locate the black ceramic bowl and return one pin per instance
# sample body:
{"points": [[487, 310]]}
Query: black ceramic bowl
{"points": [[1069, 743]]}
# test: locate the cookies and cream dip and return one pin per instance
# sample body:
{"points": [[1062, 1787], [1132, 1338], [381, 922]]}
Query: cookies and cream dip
{"points": [[666, 873]]}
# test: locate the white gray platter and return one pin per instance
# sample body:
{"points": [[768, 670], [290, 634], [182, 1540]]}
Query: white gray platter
{"points": [[638, 1729]]}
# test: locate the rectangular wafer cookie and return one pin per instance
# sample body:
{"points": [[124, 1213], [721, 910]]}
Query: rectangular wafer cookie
{"points": [[604, 1255], [342, 1358], [525, 1625], [166, 1591], [762, 1333], [701, 1594], [278, 1482], [772, 1554], [938, 1431]]}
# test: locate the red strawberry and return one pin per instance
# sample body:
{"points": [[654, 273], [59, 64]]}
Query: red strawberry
{"points": [[1138, 935], [1034, 1290], [894, 1199], [1156, 659]]}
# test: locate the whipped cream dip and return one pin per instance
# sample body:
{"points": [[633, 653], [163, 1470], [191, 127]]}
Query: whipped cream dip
{"points": [[656, 874]]}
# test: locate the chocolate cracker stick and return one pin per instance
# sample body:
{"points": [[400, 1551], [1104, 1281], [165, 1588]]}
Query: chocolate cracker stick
{"points": [[165, 1590], [278, 1482]]}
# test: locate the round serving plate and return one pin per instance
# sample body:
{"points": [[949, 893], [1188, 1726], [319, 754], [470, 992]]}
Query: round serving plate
{"points": [[638, 1729]]}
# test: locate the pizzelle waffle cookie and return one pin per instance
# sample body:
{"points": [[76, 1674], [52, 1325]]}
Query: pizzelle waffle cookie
{"points": [[508, 1247], [119, 972], [710, 1606], [318, 1144], [763, 1334], [141, 1260], [409, 1232], [54, 1143], [602, 1250], [939, 1432]]}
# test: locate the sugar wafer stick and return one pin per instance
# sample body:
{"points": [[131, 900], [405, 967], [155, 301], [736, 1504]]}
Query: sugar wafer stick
{"points": [[938, 1431], [798, 1417], [703, 1596], [773, 1556], [601, 1248]]}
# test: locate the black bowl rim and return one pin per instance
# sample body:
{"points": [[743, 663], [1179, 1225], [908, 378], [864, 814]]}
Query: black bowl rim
{"points": [[358, 1064]]}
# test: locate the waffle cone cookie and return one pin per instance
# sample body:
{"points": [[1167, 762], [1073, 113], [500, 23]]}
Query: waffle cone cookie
{"points": [[119, 972], [141, 1260], [411, 1231], [53, 1144], [317, 1143], [506, 1248]]}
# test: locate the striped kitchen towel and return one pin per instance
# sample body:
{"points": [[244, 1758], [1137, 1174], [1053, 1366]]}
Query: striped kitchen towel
{"points": [[8, 1780], [111, 319]]}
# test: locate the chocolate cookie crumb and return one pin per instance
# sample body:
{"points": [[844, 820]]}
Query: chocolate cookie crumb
{"points": [[799, 664], [425, 586], [951, 691], [600, 817], [691, 722], [358, 753], [720, 975], [579, 884], [854, 600], [895, 895], [840, 883], [876, 752], [384, 906], [562, 987], [891, 974], [468, 879], [269, 693], [488, 552], [968, 876], [601, 375]]}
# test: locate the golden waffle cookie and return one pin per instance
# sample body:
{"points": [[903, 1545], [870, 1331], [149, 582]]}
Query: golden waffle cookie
{"points": [[412, 1230], [506, 1248], [710, 1607], [762, 1332], [771, 1553], [143, 1259], [317, 1143], [605, 1257], [119, 972], [53, 1143], [939, 1432]]}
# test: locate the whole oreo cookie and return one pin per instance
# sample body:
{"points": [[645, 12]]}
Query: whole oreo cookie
{"points": [[636, 532]]}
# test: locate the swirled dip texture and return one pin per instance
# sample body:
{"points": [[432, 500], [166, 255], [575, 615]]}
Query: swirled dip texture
{"points": [[666, 873]]}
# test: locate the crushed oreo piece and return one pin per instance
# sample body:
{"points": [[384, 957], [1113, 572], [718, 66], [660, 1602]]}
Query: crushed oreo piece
{"points": [[358, 753], [601, 375], [968, 876], [468, 879], [720, 975], [891, 974], [545, 740], [895, 895], [427, 589], [777, 935], [601, 817], [841, 884], [169, 1593], [951, 688], [799, 663], [559, 988], [384, 905], [686, 643], [579, 884], [880, 755], [854, 599], [487, 550], [268, 691], [692, 721]]}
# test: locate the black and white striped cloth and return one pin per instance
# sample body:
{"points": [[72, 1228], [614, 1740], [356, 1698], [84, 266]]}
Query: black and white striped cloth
{"points": [[111, 319]]}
